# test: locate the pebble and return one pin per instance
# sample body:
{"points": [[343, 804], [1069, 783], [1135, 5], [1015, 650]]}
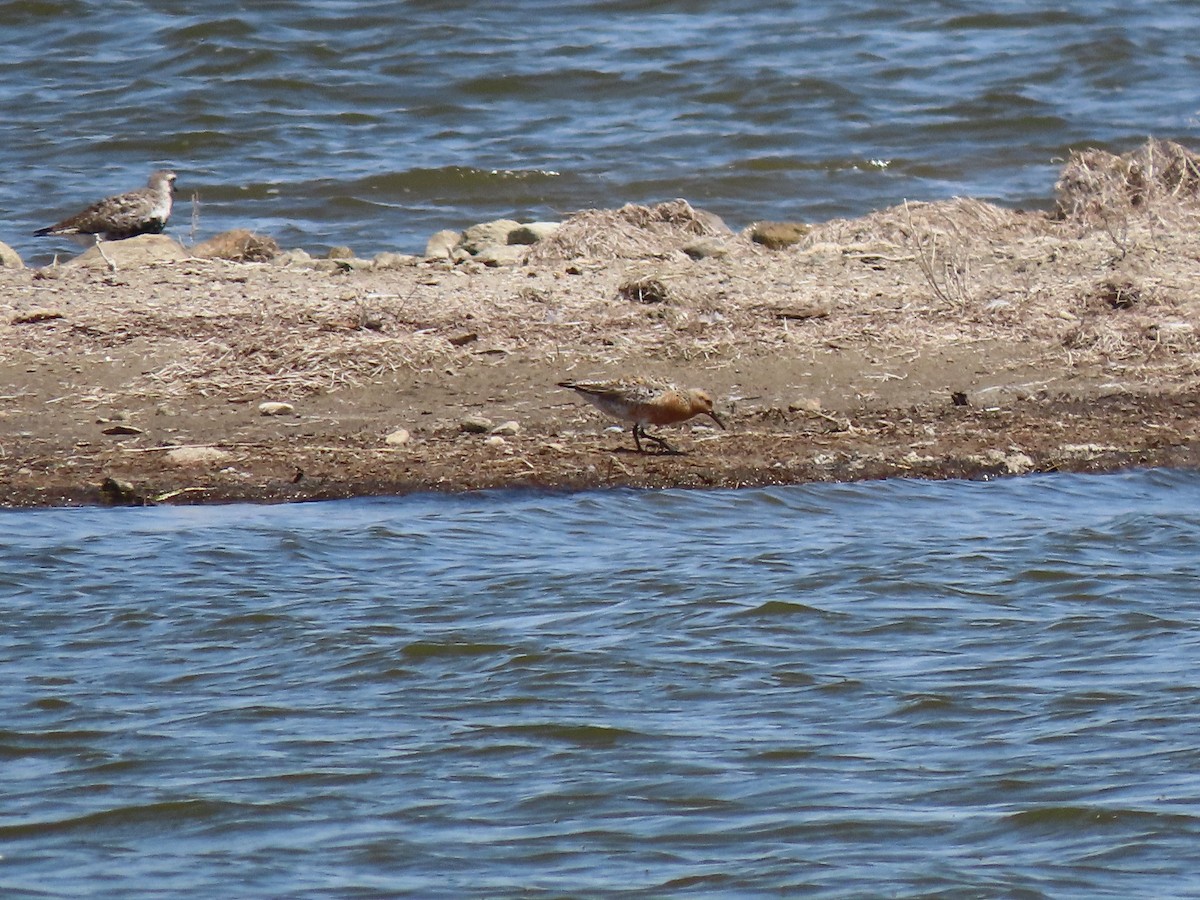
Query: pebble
{"points": [[195, 456], [9, 258], [398, 438], [495, 441], [476, 425], [390, 260], [122, 430], [442, 244], [488, 234], [500, 255], [532, 232], [777, 235], [275, 408], [507, 429], [705, 249]]}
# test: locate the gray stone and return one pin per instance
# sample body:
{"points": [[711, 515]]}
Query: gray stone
{"points": [[476, 425], [389, 260], [488, 234], [510, 428], [398, 438], [132, 253], [275, 408], [777, 235], [299, 258], [196, 456], [532, 232], [9, 258], [442, 244], [494, 257], [714, 223], [706, 249]]}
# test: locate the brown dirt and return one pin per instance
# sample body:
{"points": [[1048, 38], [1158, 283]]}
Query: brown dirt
{"points": [[929, 340]]}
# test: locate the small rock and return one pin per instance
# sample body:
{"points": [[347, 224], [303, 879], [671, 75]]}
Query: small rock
{"points": [[461, 340], [960, 398], [704, 249], [143, 250], [495, 441], [805, 404], [711, 222], [9, 258], [777, 235], [398, 438], [532, 232], [122, 430], [1018, 463], [196, 456], [389, 260], [507, 429], [496, 256], [275, 408], [340, 253], [476, 425], [487, 234], [119, 492], [299, 258], [442, 244]]}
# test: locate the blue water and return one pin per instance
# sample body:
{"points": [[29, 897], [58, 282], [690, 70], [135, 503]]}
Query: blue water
{"points": [[375, 124], [889, 689]]}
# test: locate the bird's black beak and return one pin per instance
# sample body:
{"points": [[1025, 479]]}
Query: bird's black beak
{"points": [[713, 416]]}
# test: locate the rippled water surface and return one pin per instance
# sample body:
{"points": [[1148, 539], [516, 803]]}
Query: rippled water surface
{"points": [[891, 689], [375, 124]]}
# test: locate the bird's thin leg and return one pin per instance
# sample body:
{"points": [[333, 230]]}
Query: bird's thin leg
{"points": [[636, 441], [112, 266], [659, 441]]}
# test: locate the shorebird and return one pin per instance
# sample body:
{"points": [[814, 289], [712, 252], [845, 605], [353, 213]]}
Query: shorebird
{"points": [[143, 211], [644, 402]]}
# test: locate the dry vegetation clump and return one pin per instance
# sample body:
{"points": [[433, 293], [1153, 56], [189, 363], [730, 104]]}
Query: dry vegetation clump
{"points": [[1160, 177], [944, 239], [643, 290], [238, 245], [631, 232], [962, 219]]}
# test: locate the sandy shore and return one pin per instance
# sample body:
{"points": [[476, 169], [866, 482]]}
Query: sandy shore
{"points": [[933, 340]]}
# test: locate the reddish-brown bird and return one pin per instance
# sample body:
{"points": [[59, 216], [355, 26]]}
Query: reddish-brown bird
{"points": [[645, 402]]}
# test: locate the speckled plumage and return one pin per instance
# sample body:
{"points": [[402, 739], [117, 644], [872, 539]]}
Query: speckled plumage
{"points": [[644, 401], [144, 211]]}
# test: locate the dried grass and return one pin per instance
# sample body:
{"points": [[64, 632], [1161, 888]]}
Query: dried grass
{"points": [[631, 232], [962, 219], [1160, 177]]}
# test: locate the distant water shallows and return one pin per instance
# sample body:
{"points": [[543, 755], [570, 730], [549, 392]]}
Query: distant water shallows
{"points": [[892, 689], [375, 124]]}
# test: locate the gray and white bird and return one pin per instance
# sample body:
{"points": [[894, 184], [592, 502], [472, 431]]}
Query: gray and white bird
{"points": [[143, 211]]}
